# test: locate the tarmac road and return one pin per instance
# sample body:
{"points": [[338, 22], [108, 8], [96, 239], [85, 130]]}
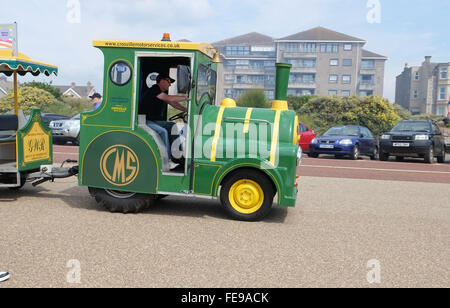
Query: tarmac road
{"points": [[327, 240]]}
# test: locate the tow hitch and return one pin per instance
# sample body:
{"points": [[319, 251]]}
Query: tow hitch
{"points": [[49, 173]]}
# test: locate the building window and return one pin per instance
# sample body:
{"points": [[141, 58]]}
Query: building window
{"points": [[332, 92], [368, 64], [270, 94], [345, 93], [333, 78], [441, 111], [416, 76], [334, 62], [442, 93], [416, 94], [309, 47], [329, 48], [367, 79], [366, 93], [237, 50], [292, 47], [444, 73], [347, 62], [348, 47], [346, 79]]}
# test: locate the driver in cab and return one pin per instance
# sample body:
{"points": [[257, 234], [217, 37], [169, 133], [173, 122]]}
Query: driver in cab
{"points": [[154, 105]]}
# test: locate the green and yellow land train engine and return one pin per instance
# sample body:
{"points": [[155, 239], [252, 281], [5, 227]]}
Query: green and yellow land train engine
{"points": [[242, 156]]}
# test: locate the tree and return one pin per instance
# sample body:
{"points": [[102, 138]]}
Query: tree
{"points": [[297, 102], [45, 86], [253, 98], [29, 98], [374, 112]]}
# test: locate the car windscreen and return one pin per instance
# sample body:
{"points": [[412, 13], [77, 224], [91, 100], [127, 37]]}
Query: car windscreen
{"points": [[412, 127], [342, 131], [77, 117]]}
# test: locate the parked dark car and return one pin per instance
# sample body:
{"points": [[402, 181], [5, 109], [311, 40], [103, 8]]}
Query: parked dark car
{"points": [[344, 140], [414, 138]]}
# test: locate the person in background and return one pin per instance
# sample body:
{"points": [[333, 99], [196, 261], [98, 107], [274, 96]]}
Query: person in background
{"points": [[96, 100]]}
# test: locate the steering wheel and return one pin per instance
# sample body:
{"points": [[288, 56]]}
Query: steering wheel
{"points": [[181, 115]]}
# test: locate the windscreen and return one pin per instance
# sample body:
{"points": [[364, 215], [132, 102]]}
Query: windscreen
{"points": [[412, 126], [342, 131]]}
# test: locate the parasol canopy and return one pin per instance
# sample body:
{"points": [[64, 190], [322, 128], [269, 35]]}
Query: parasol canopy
{"points": [[22, 65]]}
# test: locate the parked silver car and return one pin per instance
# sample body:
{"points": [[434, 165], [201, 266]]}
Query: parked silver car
{"points": [[66, 130]]}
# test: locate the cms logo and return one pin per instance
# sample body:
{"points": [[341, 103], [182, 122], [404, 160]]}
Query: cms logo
{"points": [[119, 165]]}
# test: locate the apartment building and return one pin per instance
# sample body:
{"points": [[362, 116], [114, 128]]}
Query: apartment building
{"points": [[324, 62], [248, 63], [424, 88]]}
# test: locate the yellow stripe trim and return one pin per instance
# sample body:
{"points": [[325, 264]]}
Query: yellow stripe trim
{"points": [[275, 135], [217, 133], [247, 120]]}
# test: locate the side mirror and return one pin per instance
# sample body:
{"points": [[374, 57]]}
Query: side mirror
{"points": [[184, 79]]}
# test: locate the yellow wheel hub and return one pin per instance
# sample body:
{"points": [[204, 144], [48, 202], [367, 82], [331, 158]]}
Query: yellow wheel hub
{"points": [[246, 196]]}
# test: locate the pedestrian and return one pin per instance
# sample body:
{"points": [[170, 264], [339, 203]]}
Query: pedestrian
{"points": [[4, 276], [96, 99]]}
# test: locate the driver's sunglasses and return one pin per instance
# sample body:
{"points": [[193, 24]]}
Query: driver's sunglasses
{"points": [[168, 80]]}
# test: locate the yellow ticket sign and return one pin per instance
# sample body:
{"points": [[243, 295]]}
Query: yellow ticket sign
{"points": [[36, 144]]}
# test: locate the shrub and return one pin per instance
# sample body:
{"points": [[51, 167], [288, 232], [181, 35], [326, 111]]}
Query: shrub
{"points": [[253, 98]]}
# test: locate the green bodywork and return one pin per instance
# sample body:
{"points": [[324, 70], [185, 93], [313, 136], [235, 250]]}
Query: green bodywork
{"points": [[117, 154]]}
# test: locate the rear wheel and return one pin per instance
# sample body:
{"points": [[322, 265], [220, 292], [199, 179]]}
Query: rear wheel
{"points": [[429, 155], [441, 157], [247, 195], [122, 202]]}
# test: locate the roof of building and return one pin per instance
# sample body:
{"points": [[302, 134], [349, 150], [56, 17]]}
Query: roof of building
{"points": [[253, 38], [321, 34], [369, 54], [82, 91]]}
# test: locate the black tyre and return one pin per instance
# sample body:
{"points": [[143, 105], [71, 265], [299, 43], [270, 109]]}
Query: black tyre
{"points": [[247, 195], [429, 155], [313, 155], [355, 154], [122, 202], [374, 155], [384, 156], [441, 157]]}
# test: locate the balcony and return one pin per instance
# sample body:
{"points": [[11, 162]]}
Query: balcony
{"points": [[303, 70], [299, 54], [366, 86], [302, 85]]}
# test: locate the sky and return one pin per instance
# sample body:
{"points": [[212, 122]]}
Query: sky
{"points": [[61, 32]]}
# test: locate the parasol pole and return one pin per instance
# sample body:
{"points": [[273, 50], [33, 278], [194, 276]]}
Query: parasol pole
{"points": [[16, 99]]}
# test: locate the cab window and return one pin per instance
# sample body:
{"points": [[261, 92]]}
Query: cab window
{"points": [[206, 84]]}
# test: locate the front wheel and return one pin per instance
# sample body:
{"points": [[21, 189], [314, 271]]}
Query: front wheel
{"points": [[247, 195], [355, 154], [122, 202], [441, 157], [429, 155]]}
